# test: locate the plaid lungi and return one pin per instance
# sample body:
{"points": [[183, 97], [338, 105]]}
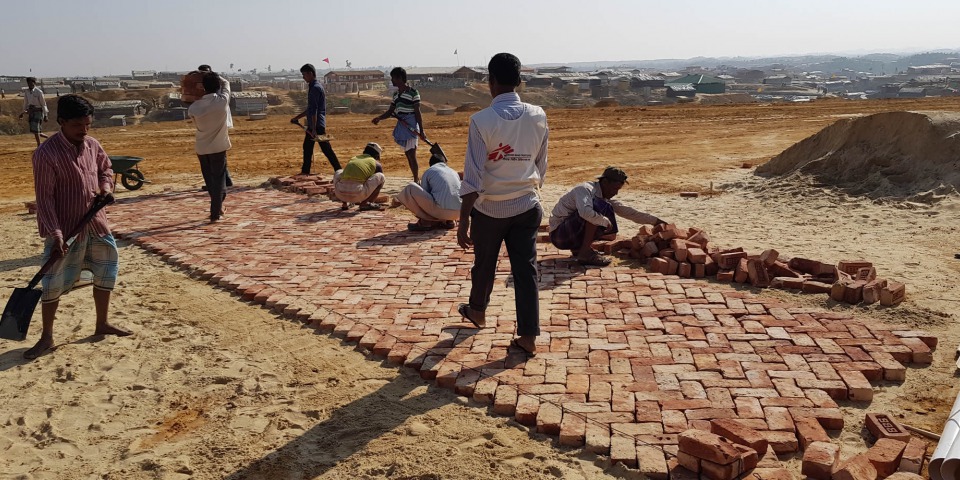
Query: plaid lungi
{"points": [[88, 252], [569, 235]]}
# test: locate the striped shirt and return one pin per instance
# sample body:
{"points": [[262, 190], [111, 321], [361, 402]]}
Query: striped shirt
{"points": [[66, 179], [509, 107], [404, 102], [443, 184]]}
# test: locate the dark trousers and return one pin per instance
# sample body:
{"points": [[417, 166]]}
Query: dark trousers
{"points": [[569, 235], [213, 166], [325, 147], [520, 234]]}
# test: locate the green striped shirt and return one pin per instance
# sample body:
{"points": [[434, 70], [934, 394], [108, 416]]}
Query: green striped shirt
{"points": [[405, 101]]}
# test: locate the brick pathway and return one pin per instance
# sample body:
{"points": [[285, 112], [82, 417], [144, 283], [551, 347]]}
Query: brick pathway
{"points": [[628, 359]]}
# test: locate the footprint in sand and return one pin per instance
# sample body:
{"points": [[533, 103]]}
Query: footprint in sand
{"points": [[519, 460], [482, 439]]}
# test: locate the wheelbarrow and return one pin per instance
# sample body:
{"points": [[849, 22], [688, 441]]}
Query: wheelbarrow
{"points": [[125, 168]]}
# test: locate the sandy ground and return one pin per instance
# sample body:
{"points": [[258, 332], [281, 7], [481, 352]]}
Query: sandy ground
{"points": [[212, 387]]}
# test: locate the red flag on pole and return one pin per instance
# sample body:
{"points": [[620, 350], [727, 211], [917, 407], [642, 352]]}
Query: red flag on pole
{"points": [[326, 60]]}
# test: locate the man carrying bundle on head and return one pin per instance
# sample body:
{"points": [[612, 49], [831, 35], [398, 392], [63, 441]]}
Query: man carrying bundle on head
{"points": [[406, 107], [589, 212]]}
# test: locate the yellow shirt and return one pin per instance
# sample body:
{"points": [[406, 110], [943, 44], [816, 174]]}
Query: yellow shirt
{"points": [[359, 169]]}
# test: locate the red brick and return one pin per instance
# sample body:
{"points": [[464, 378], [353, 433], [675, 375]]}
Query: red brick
{"points": [[527, 408], [885, 456], [700, 270], [746, 461], [741, 275], [771, 474], [882, 425], [809, 431], [680, 252], [782, 442], [769, 257], [912, 459], [708, 446], [672, 266], [830, 418], [697, 255], [905, 476], [789, 283], [729, 261], [851, 267], [688, 461], [893, 294], [598, 437], [685, 270], [549, 417], [757, 273], [780, 269], [725, 276], [658, 265], [920, 351], [812, 286], [505, 400], [866, 274], [652, 462], [819, 460], [856, 468], [739, 433], [650, 249]]}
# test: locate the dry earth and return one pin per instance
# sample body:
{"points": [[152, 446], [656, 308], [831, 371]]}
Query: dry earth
{"points": [[213, 387]]}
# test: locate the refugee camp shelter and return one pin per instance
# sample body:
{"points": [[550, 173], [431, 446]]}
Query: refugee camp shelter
{"points": [[702, 83]]}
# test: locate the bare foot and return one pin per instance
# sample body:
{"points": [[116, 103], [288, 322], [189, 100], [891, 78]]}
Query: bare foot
{"points": [[40, 348], [107, 329]]}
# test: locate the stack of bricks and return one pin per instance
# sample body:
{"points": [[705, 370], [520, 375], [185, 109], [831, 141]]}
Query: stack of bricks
{"points": [[304, 184], [716, 457], [689, 253]]}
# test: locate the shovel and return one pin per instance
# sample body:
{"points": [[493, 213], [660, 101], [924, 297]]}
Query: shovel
{"points": [[20, 306], [434, 147], [319, 138]]}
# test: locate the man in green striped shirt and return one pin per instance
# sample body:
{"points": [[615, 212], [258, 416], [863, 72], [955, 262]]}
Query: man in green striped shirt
{"points": [[406, 107]]}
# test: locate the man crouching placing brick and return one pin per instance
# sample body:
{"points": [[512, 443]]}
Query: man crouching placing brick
{"points": [[361, 179], [588, 213]]}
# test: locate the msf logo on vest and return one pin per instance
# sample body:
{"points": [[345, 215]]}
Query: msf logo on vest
{"points": [[500, 153]]}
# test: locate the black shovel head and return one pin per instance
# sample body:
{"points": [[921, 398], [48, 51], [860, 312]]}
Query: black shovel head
{"points": [[18, 312], [436, 151]]}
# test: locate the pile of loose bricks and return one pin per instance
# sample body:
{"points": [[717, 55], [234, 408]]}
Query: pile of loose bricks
{"points": [[731, 448], [310, 185], [690, 254]]}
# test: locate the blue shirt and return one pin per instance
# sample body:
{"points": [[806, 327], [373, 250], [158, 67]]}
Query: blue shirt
{"points": [[443, 184], [316, 105], [509, 107]]}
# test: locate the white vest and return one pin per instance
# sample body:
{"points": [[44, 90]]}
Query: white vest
{"points": [[512, 147]]}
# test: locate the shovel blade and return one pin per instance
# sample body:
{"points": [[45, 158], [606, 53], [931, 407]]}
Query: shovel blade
{"points": [[435, 150], [18, 312]]}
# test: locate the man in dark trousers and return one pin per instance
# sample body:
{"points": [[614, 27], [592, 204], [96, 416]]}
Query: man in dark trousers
{"points": [[504, 169], [210, 115], [226, 86], [316, 113]]}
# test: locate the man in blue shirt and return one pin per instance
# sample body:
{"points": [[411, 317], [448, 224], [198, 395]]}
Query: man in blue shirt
{"points": [[435, 203], [316, 113]]}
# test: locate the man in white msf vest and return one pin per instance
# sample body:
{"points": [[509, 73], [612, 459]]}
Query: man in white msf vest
{"points": [[503, 171]]}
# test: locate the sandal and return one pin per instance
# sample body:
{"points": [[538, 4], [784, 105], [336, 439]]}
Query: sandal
{"points": [[371, 206], [595, 260], [515, 343], [449, 225], [419, 227], [462, 310]]}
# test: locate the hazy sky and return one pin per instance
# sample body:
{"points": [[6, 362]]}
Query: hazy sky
{"points": [[97, 37]]}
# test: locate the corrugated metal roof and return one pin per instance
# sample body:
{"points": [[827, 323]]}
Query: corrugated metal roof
{"points": [[111, 104], [681, 87], [697, 79], [354, 73], [432, 70]]}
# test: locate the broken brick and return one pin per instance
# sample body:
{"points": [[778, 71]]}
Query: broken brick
{"points": [[892, 294], [757, 273], [819, 460], [769, 257]]}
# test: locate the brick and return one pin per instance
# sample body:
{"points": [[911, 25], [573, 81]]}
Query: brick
{"points": [[866, 274], [856, 468], [757, 273], [652, 462], [505, 400], [830, 418], [741, 274], [905, 476], [747, 460], [871, 291], [893, 294], [780, 269], [853, 292], [700, 270], [650, 249], [598, 438], [771, 474], [680, 253], [708, 446], [913, 455], [729, 261], [819, 460], [527, 408], [885, 456], [858, 387], [689, 462], [813, 286], [725, 276], [769, 257], [788, 283], [782, 442], [685, 270], [672, 266], [739, 433], [809, 431], [658, 265], [697, 255], [549, 417], [882, 425], [851, 267]]}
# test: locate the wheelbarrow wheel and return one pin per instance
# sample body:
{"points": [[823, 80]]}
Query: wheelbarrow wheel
{"points": [[132, 179]]}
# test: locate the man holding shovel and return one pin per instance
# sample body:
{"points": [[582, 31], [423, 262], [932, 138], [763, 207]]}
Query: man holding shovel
{"points": [[316, 114], [70, 171], [406, 107]]}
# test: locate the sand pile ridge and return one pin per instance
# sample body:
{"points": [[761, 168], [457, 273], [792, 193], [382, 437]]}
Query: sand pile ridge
{"points": [[910, 156]]}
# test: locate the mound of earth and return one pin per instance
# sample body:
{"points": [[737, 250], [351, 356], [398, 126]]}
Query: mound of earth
{"points": [[894, 155]]}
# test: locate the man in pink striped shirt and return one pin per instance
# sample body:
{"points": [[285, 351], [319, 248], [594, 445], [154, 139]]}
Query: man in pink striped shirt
{"points": [[69, 170]]}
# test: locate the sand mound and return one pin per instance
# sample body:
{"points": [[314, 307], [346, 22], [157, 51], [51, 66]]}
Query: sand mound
{"points": [[894, 155]]}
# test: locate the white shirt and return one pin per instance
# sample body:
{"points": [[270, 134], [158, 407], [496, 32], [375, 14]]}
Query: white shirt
{"points": [[579, 201], [34, 97], [211, 116]]}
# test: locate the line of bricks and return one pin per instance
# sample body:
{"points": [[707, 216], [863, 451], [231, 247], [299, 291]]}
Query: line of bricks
{"points": [[628, 359]]}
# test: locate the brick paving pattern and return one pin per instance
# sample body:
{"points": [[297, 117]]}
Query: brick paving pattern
{"points": [[628, 359]]}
